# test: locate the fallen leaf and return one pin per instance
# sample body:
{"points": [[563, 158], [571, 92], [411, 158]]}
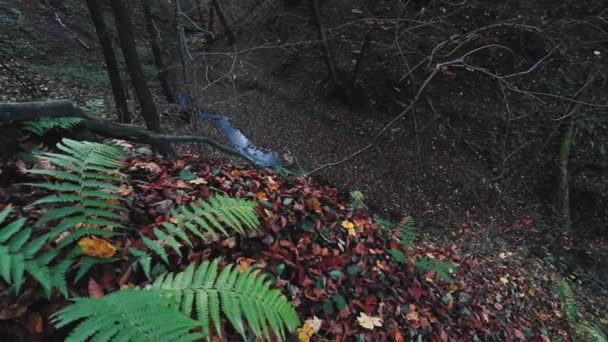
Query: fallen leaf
{"points": [[244, 263], [124, 190], [151, 166], [198, 181], [34, 322], [309, 328], [504, 280], [95, 290], [350, 227], [369, 322], [96, 247]]}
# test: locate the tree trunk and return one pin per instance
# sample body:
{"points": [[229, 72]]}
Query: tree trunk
{"points": [[127, 43], [111, 65], [329, 59], [220, 15], [155, 44], [563, 184]]}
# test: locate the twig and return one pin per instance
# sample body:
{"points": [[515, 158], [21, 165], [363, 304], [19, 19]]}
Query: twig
{"points": [[58, 20]]}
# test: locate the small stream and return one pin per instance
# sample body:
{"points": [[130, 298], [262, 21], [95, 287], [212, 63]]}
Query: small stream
{"points": [[237, 139]]}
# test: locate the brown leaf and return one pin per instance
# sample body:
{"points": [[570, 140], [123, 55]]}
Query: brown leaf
{"points": [[95, 290], [35, 322]]}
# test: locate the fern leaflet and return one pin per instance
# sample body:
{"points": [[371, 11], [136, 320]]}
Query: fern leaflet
{"points": [[127, 315], [205, 220], [241, 296], [19, 253], [86, 174], [43, 125]]}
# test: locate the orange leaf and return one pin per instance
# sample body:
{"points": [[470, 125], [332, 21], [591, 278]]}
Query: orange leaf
{"points": [[261, 196], [244, 263], [272, 184], [96, 247]]}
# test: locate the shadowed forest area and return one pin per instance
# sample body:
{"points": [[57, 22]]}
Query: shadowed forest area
{"points": [[304, 170]]}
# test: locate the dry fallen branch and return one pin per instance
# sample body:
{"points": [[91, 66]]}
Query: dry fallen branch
{"points": [[25, 111]]}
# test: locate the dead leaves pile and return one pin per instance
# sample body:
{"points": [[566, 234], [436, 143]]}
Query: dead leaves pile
{"points": [[331, 261]]}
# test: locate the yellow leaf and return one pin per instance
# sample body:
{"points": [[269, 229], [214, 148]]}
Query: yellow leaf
{"points": [[305, 332], [369, 322], [235, 173], [454, 287], [504, 280], [350, 227], [96, 247]]}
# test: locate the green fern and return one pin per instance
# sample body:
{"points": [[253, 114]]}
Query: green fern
{"points": [[407, 231], [43, 125], [241, 296], [582, 329], [220, 215], [85, 174], [127, 315], [358, 200], [444, 269], [19, 252], [567, 300]]}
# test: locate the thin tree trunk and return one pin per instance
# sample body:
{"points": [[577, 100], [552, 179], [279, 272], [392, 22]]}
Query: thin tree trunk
{"points": [[329, 59], [201, 17], [111, 65], [156, 52], [563, 185], [220, 15], [127, 42]]}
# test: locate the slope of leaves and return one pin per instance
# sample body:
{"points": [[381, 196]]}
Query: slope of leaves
{"points": [[334, 262]]}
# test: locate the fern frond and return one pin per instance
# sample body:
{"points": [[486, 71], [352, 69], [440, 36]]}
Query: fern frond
{"points": [[566, 298], [43, 125], [407, 231], [18, 255], [242, 297], [86, 173], [206, 220], [127, 315], [444, 269]]}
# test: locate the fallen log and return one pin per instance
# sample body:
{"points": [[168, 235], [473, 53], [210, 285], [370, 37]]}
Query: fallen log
{"points": [[25, 111]]}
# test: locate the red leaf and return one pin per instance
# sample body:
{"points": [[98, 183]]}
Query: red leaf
{"points": [[416, 292]]}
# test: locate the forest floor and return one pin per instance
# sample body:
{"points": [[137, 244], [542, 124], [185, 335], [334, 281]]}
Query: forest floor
{"points": [[431, 173]]}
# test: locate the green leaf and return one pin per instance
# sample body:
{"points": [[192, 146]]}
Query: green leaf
{"points": [[187, 175], [398, 256]]}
